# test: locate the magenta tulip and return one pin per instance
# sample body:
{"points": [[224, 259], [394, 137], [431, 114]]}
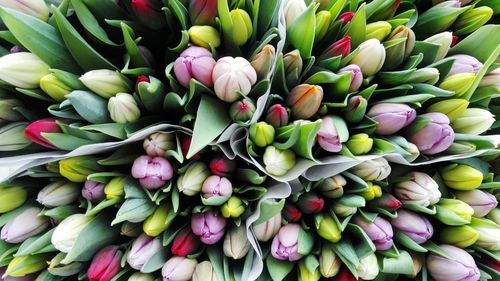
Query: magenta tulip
{"points": [[34, 131], [105, 264], [209, 226]]}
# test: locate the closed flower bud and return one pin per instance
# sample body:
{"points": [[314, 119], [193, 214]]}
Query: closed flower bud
{"points": [[204, 271], [23, 226], [261, 134], [242, 111], [76, 169], [277, 116], [236, 244], [233, 77], [67, 232], [105, 264], [123, 108], [331, 134], [293, 9], [139, 276], [185, 243], [454, 212], [464, 64], [285, 244], [291, 213], [11, 197], [386, 201], [420, 189], [372, 191], [474, 121], [494, 215], [373, 170], [21, 266], [329, 262], [35, 8], [458, 83], [310, 203], [178, 269], [115, 188], [222, 166], [242, 26], [346, 17], [267, 229], [8, 110], [263, 61], [327, 228], [370, 58], [460, 236], [323, 20], [343, 210], [106, 83], [59, 193], [427, 75], [481, 201], [391, 117], [208, 226], [204, 36], [143, 248], [159, 220], [202, 11], [453, 108], [333, 187], [489, 234], [462, 265], [305, 274], [415, 226], [368, 267], [35, 130], [149, 13], [462, 177], [22, 70], [436, 136], [471, 20], [356, 76], [379, 231], [443, 40], [360, 144], [278, 162], [355, 110], [194, 63], [151, 172], [449, 4], [395, 55], [492, 78], [157, 144], [54, 87], [190, 183], [341, 48], [131, 229], [293, 64], [233, 208], [378, 30], [216, 190]]}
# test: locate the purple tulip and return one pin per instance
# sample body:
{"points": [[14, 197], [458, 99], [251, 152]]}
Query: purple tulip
{"points": [[436, 136], [465, 64], [215, 186], [417, 227], [285, 244], [152, 172], [391, 117], [143, 248], [23, 226], [328, 137], [195, 62], [29, 277], [462, 267], [209, 226], [481, 201], [93, 191], [356, 76], [379, 231]]}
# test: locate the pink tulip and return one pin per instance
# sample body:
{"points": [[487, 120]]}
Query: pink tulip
{"points": [[93, 191], [285, 245], [151, 172], [34, 131], [105, 264], [391, 117], [194, 63], [436, 136], [209, 226]]}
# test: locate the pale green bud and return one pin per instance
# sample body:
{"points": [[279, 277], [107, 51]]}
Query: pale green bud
{"points": [[123, 108], [106, 83], [23, 70]]}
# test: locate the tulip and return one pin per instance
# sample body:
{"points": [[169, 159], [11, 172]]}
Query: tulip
{"points": [[453, 108], [341, 48], [34, 8], [106, 83], [436, 136], [22, 70], [356, 76], [278, 162], [464, 64], [202, 11], [329, 262], [178, 269], [391, 117], [130, 229], [105, 264], [267, 229], [139, 276], [277, 116], [427, 75], [218, 188], [233, 77], [115, 188], [185, 243], [151, 172], [333, 187], [323, 21], [462, 265], [310, 203], [449, 4], [419, 189], [123, 108], [379, 231], [59, 193], [474, 121], [360, 144], [29, 277], [489, 234], [395, 55], [12, 137], [344, 209], [149, 13], [291, 213], [263, 61], [305, 274], [292, 62], [143, 248], [378, 30], [344, 275], [67, 232], [443, 40], [459, 83], [368, 267], [204, 36], [471, 20], [373, 170], [159, 220], [327, 228], [222, 166], [21, 266], [460, 236], [494, 215], [261, 134], [417, 227], [293, 9], [454, 212], [147, 56], [204, 271], [208, 226], [191, 182], [11, 197], [370, 58], [355, 110], [372, 191], [35, 130], [481, 201], [8, 110], [328, 136], [386, 201], [157, 144], [462, 177], [54, 87], [492, 78], [26, 224], [285, 243], [242, 111], [241, 26], [236, 244], [233, 208], [194, 63]]}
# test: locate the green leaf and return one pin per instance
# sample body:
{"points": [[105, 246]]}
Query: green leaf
{"points": [[278, 269], [403, 264], [301, 32], [489, 40], [34, 244], [305, 242], [357, 27], [155, 262], [134, 210], [269, 209], [89, 22], [90, 106], [65, 142], [407, 242], [136, 58]]}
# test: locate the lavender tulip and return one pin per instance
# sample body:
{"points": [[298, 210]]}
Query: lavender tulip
{"points": [[328, 136], [151, 172], [93, 191], [436, 136], [419, 189], [356, 76], [462, 267], [379, 231], [285, 243], [25, 225], [417, 227], [209, 226], [194, 62], [217, 187], [481, 201], [465, 64], [143, 248], [391, 117]]}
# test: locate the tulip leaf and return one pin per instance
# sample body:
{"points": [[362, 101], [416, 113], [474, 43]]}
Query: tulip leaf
{"points": [[267, 16], [134, 210], [491, 59], [436, 19], [407, 242], [5, 218], [422, 88], [180, 12], [432, 247], [305, 242], [403, 264], [6, 255], [364, 245], [357, 27], [76, 131], [336, 8], [90, 106], [33, 245], [347, 255], [89, 22], [35, 93], [106, 9], [429, 50], [9, 37], [307, 139], [115, 130], [301, 32], [269, 209], [155, 262], [136, 58], [487, 35], [250, 176]]}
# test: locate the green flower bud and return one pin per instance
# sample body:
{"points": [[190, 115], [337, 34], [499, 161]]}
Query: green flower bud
{"points": [[459, 83], [106, 83], [474, 121], [333, 187], [327, 228], [130, 229], [58, 269], [323, 20], [443, 40], [428, 75], [395, 55], [233, 208], [11, 197], [262, 134], [236, 244], [23, 70], [378, 30], [139, 276], [76, 169], [329, 262], [453, 108], [305, 274], [360, 144], [242, 26], [471, 20], [7, 110], [191, 181], [24, 265], [204, 36], [54, 87], [461, 177], [461, 147], [159, 221], [242, 111], [263, 61], [494, 215], [370, 58], [372, 191], [278, 162], [123, 108], [12, 137], [454, 212], [115, 188], [489, 234], [461, 236], [204, 271]]}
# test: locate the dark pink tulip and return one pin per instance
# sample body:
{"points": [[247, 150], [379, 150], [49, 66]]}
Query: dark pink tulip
{"points": [[105, 265], [194, 63], [34, 131], [346, 17], [277, 116], [341, 48], [415, 226], [436, 136], [391, 117], [209, 226], [185, 243], [202, 12], [379, 231], [285, 244], [222, 166], [310, 203], [149, 13], [152, 172]]}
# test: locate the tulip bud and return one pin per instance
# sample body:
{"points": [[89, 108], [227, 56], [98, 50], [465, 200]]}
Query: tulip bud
{"points": [[327, 228], [54, 87], [143, 248], [370, 58], [204, 271], [209, 226], [278, 162], [293, 9], [328, 136], [185, 243], [449, 4], [292, 62], [344, 275], [131, 229], [242, 111], [356, 76], [355, 110], [471, 20], [22, 70], [23, 226], [343, 210], [159, 220], [151, 172], [285, 243], [263, 61], [233, 208], [481, 201], [21, 266], [291, 213], [310, 203], [474, 121], [360, 144], [216, 190], [453, 108], [202, 11], [105, 264], [149, 13], [222, 166], [494, 215], [59, 193], [373, 170], [379, 231], [462, 177], [378, 30], [386, 201], [11, 197], [395, 55], [333, 187], [123, 108], [139, 276], [204, 36], [460, 236], [427, 75], [368, 267], [489, 234], [35, 130], [277, 116], [191, 181], [12, 137], [391, 117], [435, 137], [453, 212], [236, 244], [194, 63], [106, 83], [372, 191], [157, 144], [462, 265], [417, 227], [491, 79], [341, 48], [323, 20], [8, 110], [329, 262], [458, 83], [267, 229], [233, 77], [242, 26], [305, 274], [261, 134], [443, 40], [178, 269], [34, 8], [464, 64], [66, 233], [57, 268], [420, 189], [115, 188]]}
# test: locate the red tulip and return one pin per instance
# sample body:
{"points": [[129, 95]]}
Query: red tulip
{"points": [[310, 203], [149, 13], [185, 243], [341, 47], [291, 213], [105, 265], [222, 166], [345, 275], [34, 131], [202, 12], [346, 17]]}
